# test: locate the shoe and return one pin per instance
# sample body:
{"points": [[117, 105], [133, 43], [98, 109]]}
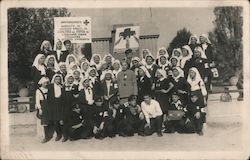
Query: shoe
{"points": [[64, 139], [141, 134], [201, 133], [45, 140], [159, 134], [58, 138]]}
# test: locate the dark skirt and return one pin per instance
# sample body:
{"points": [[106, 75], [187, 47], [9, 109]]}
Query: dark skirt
{"points": [[45, 113], [67, 104], [56, 109], [163, 100]]}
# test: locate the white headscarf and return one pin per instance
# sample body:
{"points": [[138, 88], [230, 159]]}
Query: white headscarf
{"points": [[81, 76], [115, 72], [56, 67], [199, 49], [193, 36], [83, 71], [149, 66], [178, 61], [105, 56], [197, 82], [163, 65], [188, 57], [158, 53], [63, 47], [92, 62], [90, 69], [43, 43], [143, 61], [181, 73], [43, 80], [162, 72], [57, 75], [67, 59], [81, 83], [67, 77], [72, 64], [206, 37], [61, 64], [145, 71], [105, 72], [179, 50], [39, 67]]}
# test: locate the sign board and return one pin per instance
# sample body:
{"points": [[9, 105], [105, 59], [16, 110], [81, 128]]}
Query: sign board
{"points": [[127, 37], [75, 29]]}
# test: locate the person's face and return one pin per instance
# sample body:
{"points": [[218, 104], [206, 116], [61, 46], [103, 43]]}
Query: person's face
{"points": [[63, 68], [162, 52], [197, 54], [133, 102], [158, 75], [68, 46], [76, 74], [192, 74], [45, 84], [85, 66], [193, 40], [92, 73], [57, 80], [116, 66], [83, 59], [184, 52], [108, 76], [144, 53], [170, 72], [141, 73], [129, 55], [135, 63], [70, 80], [74, 67], [46, 46], [175, 98], [108, 59], [41, 60], [174, 62], [175, 72], [71, 59], [124, 66], [59, 45], [177, 53], [202, 39], [51, 61], [149, 60], [147, 99], [96, 59], [163, 60], [86, 83], [194, 99], [104, 66]]}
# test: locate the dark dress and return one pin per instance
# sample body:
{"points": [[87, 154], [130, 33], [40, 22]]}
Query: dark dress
{"points": [[181, 84], [144, 87], [55, 105], [152, 71], [163, 98], [62, 58], [50, 73], [36, 75], [45, 110], [113, 90], [192, 46]]}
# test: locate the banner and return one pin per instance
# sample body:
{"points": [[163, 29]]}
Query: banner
{"points": [[75, 29], [127, 37]]}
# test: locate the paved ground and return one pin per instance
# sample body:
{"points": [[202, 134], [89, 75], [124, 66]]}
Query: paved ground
{"points": [[223, 132]]}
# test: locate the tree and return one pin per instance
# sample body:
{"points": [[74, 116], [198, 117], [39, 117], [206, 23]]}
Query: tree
{"points": [[227, 40], [27, 28], [179, 40]]}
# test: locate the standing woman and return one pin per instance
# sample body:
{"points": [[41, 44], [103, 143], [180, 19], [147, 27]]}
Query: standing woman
{"points": [[193, 42], [197, 87], [46, 48], [187, 55], [181, 86], [205, 44], [163, 88], [67, 101], [52, 66], [42, 107], [55, 104], [127, 84], [151, 66], [38, 69], [144, 83]]}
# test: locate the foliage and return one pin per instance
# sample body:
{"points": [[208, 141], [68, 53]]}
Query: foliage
{"points": [[227, 40], [179, 40], [27, 28]]}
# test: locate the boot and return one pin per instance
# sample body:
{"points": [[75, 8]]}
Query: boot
{"points": [[46, 133]]}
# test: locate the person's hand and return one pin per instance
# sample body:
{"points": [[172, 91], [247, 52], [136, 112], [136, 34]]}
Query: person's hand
{"points": [[90, 102], [95, 130], [197, 115], [147, 125], [114, 113], [188, 120], [40, 111], [181, 91], [205, 80], [163, 91], [141, 116], [106, 97], [101, 126], [77, 126], [61, 122]]}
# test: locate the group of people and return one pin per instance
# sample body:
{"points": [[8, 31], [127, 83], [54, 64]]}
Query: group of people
{"points": [[103, 97]]}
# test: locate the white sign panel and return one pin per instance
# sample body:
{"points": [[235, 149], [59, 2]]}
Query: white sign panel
{"points": [[75, 29], [127, 37]]}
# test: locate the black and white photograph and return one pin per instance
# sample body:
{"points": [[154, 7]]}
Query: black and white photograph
{"points": [[125, 80]]}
